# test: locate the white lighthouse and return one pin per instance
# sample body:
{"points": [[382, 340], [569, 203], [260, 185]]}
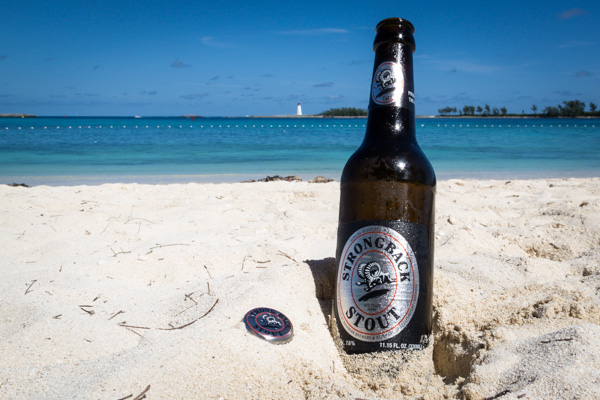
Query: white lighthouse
{"points": [[299, 109]]}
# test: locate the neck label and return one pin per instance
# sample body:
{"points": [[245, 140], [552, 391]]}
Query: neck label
{"points": [[389, 89]]}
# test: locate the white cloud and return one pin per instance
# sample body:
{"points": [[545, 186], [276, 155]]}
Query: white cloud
{"points": [[215, 42], [179, 64], [458, 65], [324, 84], [321, 31], [572, 13], [193, 96], [576, 43]]}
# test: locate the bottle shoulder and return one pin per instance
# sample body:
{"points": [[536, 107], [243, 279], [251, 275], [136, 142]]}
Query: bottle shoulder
{"points": [[407, 163]]}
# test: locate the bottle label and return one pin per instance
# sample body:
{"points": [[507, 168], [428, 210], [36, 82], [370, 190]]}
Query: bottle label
{"points": [[377, 284], [389, 89]]}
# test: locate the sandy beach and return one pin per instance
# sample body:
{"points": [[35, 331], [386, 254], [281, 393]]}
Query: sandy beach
{"points": [[125, 290]]}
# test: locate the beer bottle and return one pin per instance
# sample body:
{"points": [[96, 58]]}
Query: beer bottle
{"points": [[384, 280]]}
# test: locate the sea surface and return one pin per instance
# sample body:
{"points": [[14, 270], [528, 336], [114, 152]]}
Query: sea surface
{"points": [[92, 150]]}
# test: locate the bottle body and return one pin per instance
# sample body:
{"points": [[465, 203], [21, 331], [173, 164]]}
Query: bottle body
{"points": [[384, 280]]}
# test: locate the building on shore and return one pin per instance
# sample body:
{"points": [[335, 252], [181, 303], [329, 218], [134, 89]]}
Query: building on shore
{"points": [[299, 109]]}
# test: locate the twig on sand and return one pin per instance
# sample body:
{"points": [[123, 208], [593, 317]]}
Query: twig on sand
{"points": [[208, 272], [447, 240], [262, 262], [557, 340], [115, 314], [498, 395], [29, 287], [129, 219], [106, 227], [190, 323], [172, 328], [139, 396], [131, 330], [189, 296], [120, 252], [181, 312], [133, 326], [143, 394], [291, 258], [158, 246], [90, 312], [213, 306]]}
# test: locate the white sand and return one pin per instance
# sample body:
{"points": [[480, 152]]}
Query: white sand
{"points": [[96, 278]]}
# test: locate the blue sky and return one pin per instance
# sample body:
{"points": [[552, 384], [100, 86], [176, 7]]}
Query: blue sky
{"points": [[236, 58]]}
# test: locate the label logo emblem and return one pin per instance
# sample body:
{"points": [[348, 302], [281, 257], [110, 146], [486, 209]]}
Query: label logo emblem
{"points": [[377, 284], [388, 83]]}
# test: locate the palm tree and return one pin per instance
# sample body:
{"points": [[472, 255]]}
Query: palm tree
{"points": [[572, 108]]}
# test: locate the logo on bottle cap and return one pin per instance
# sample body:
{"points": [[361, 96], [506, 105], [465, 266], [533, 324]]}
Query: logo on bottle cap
{"points": [[269, 324]]}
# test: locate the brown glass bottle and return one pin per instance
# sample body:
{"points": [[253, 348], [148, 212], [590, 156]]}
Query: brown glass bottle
{"points": [[384, 280]]}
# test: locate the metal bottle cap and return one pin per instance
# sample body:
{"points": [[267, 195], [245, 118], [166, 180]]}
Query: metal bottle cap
{"points": [[269, 324]]}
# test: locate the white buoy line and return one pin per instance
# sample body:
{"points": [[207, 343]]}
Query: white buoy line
{"points": [[280, 126], [184, 127], [511, 126]]}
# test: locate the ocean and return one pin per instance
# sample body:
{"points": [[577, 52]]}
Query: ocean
{"points": [[93, 150]]}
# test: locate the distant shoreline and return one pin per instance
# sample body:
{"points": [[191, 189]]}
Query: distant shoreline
{"points": [[11, 115], [18, 115]]}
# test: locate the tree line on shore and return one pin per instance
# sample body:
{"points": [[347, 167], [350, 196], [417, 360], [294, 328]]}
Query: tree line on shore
{"points": [[345, 112], [570, 108]]}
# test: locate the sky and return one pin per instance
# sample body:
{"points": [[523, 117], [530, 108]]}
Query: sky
{"points": [[238, 58]]}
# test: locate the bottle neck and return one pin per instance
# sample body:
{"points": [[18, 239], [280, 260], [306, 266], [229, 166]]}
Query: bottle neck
{"points": [[391, 101], [390, 124]]}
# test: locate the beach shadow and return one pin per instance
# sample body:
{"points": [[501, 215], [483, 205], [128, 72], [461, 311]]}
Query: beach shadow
{"points": [[323, 272]]}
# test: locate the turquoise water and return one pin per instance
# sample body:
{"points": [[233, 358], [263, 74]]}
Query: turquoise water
{"points": [[59, 151]]}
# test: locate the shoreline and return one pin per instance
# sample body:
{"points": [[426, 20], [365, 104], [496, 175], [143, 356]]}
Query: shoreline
{"points": [[291, 116], [155, 280], [170, 179]]}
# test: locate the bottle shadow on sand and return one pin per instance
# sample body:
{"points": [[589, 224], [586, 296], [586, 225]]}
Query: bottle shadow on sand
{"points": [[323, 272]]}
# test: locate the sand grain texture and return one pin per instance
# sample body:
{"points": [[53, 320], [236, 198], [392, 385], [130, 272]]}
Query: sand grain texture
{"points": [[117, 290]]}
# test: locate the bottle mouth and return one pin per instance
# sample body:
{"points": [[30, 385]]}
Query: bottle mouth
{"points": [[397, 22], [395, 30]]}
